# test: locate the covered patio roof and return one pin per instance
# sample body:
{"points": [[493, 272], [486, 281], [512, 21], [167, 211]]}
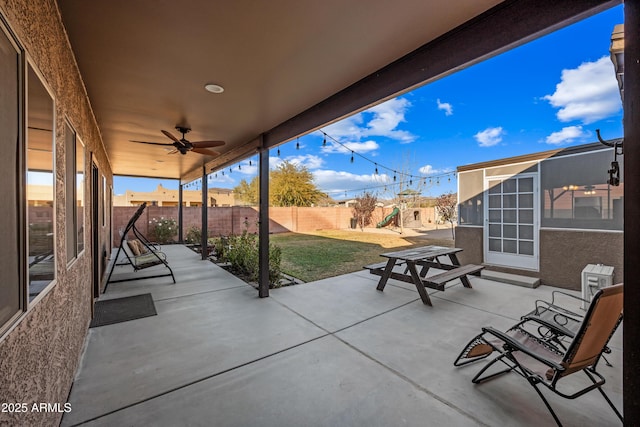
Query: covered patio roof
{"points": [[336, 352], [287, 67]]}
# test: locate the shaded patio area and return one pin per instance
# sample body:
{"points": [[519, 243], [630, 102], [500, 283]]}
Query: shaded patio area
{"points": [[330, 353]]}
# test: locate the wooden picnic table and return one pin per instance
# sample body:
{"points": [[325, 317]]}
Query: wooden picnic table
{"points": [[426, 257]]}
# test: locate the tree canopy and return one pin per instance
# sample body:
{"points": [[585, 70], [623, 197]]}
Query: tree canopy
{"points": [[446, 206], [290, 185]]}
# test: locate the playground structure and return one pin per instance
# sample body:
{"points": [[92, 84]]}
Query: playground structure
{"points": [[387, 219]]}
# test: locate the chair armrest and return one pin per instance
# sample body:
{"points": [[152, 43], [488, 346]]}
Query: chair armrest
{"points": [[554, 326], [510, 342], [565, 294]]}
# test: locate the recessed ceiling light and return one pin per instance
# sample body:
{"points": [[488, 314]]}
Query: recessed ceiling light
{"points": [[213, 88]]}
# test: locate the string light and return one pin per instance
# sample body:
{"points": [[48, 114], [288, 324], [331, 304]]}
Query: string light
{"points": [[352, 157], [278, 152], [324, 141], [376, 169], [239, 167], [250, 163], [298, 144]]}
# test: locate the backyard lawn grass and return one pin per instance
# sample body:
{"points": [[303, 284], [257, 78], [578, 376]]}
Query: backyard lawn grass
{"points": [[328, 253]]}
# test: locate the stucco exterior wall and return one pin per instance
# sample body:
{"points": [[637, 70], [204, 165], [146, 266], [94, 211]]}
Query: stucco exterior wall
{"points": [[563, 254], [40, 354]]}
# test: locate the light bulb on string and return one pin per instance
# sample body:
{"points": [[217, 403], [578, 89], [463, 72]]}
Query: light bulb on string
{"points": [[376, 172], [222, 173], [239, 167], [250, 164], [410, 182], [297, 144], [324, 140], [394, 176], [278, 152], [352, 157]]}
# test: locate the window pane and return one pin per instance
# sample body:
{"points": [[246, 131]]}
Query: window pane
{"points": [[509, 186], [495, 201], [525, 201], [80, 194], [576, 194], [525, 185], [526, 216], [494, 230], [526, 248], [495, 215], [509, 246], [495, 245], [40, 186], [10, 295], [70, 192], [526, 232], [495, 187], [510, 231], [509, 216], [509, 201]]}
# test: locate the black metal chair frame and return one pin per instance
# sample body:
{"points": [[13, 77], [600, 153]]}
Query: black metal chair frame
{"points": [[507, 345], [151, 247]]}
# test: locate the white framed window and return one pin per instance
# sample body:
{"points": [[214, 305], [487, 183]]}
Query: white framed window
{"points": [[74, 193], [12, 262], [40, 188]]}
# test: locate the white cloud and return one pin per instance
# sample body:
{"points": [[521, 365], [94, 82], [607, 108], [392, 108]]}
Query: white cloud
{"points": [[309, 161], [348, 147], [430, 170], [332, 180], [588, 93], [567, 135], [489, 137], [382, 120], [446, 107]]}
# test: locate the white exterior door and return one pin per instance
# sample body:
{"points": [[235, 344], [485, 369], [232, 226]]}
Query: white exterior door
{"points": [[511, 221]]}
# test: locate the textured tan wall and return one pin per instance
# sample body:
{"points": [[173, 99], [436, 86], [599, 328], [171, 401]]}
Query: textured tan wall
{"points": [[224, 221], [39, 356], [470, 239], [563, 254]]}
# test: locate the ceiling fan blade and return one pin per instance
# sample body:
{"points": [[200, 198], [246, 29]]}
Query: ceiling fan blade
{"points": [[207, 144], [152, 143], [170, 136], [205, 152]]}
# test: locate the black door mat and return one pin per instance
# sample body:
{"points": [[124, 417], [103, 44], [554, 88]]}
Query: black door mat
{"points": [[122, 310]]}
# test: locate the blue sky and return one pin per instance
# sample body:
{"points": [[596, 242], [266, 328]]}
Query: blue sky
{"points": [[550, 93]]}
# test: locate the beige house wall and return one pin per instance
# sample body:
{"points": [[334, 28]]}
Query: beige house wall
{"points": [[39, 354], [564, 253], [167, 197]]}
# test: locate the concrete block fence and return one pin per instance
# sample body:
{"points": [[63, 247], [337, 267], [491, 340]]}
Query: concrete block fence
{"points": [[225, 221]]}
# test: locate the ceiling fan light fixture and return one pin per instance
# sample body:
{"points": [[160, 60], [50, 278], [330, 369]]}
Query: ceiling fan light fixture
{"points": [[214, 88]]}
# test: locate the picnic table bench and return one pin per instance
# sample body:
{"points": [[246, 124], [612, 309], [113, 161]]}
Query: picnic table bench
{"points": [[426, 257]]}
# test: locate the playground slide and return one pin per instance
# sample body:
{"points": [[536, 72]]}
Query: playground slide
{"points": [[387, 219]]}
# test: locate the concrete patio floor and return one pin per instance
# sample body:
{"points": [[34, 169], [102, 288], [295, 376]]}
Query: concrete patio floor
{"points": [[330, 353]]}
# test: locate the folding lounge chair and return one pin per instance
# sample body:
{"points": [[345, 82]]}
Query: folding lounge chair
{"points": [[558, 322], [540, 362]]}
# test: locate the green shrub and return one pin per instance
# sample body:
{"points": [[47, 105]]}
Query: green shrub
{"points": [[194, 235], [243, 254], [163, 229]]}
